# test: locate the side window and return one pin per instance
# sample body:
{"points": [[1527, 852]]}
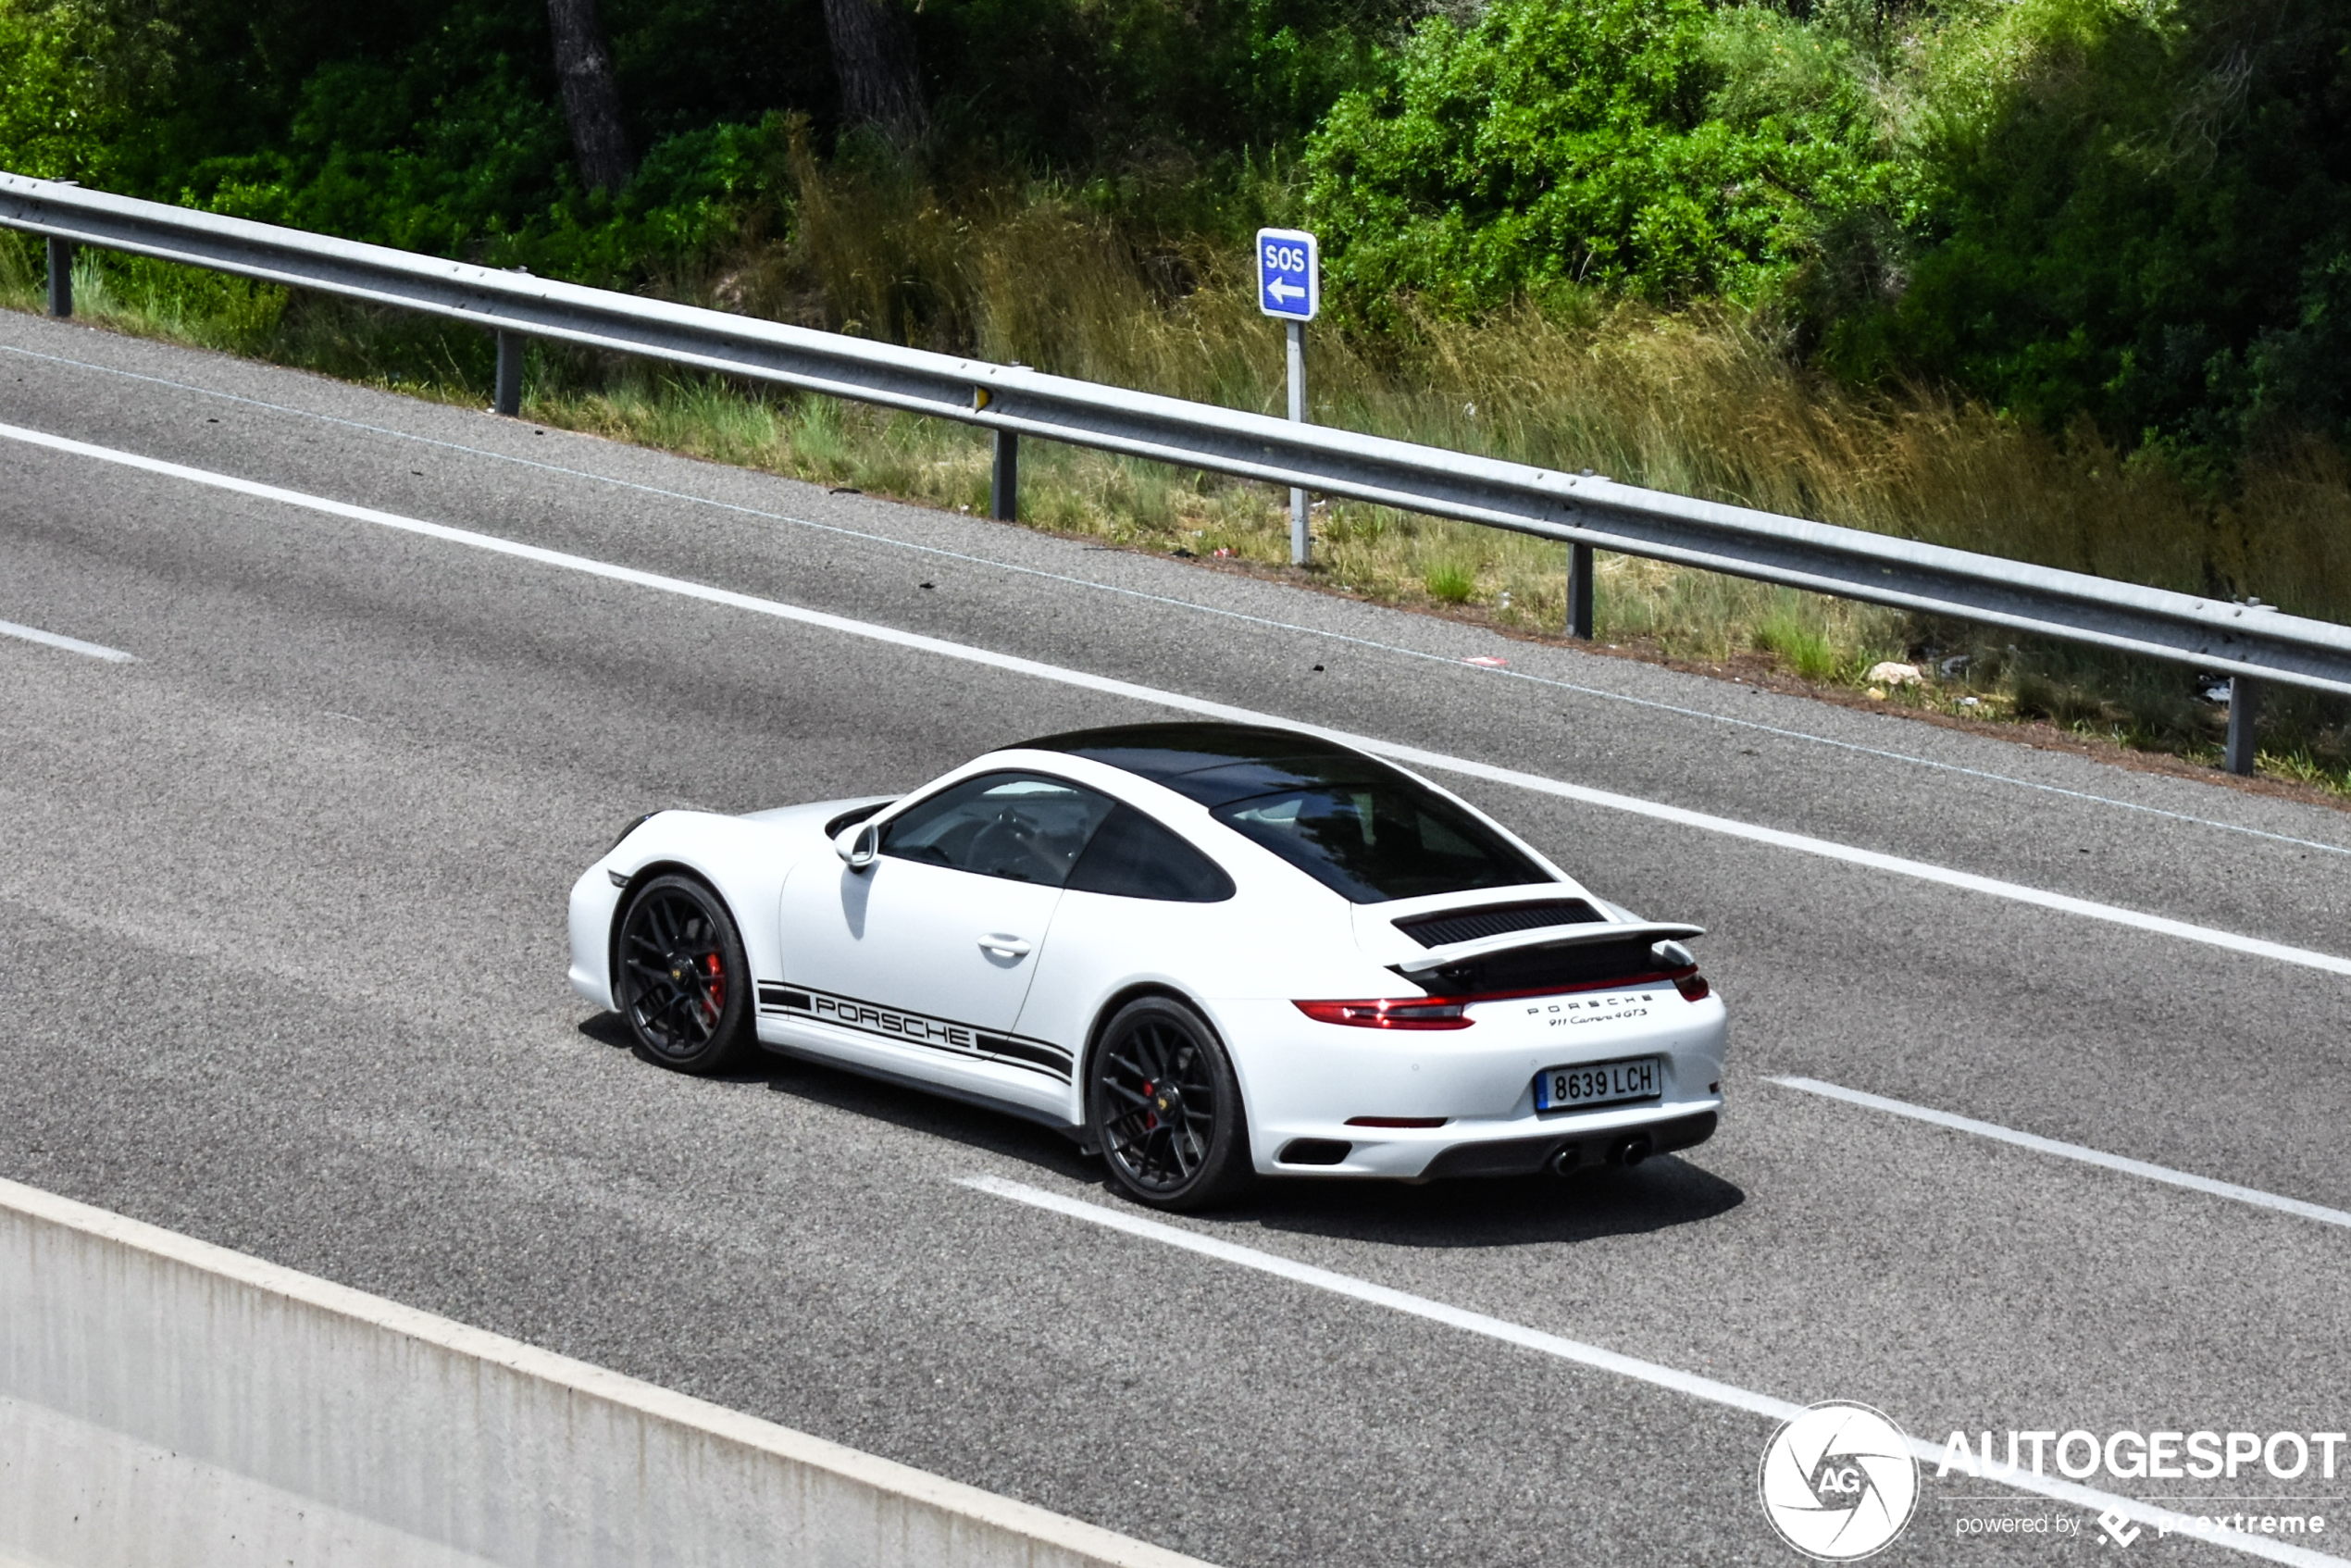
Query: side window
{"points": [[1018, 826], [1135, 858]]}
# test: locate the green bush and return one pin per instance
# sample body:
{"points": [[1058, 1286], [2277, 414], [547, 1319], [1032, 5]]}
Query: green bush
{"points": [[2137, 213], [1651, 145]]}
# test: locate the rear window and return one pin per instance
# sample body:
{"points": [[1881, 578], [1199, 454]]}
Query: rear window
{"points": [[1380, 840]]}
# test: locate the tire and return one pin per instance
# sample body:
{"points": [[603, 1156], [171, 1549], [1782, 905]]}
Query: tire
{"points": [[1167, 1109], [680, 977]]}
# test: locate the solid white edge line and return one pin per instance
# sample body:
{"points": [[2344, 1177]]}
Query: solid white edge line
{"points": [[2082, 1152], [1713, 1391], [892, 542], [1535, 783], [70, 644]]}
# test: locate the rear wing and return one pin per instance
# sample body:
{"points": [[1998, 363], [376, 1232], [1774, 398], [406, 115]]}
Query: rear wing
{"points": [[1581, 935]]}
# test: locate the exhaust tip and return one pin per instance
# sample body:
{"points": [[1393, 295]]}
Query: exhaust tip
{"points": [[1630, 1151], [1565, 1160]]}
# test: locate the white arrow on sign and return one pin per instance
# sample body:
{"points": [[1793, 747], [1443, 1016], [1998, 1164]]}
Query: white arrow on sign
{"points": [[1286, 291]]}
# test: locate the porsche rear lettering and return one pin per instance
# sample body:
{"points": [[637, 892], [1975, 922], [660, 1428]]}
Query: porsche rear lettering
{"points": [[1591, 1011]]}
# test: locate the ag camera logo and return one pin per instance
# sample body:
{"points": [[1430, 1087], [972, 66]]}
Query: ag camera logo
{"points": [[1839, 1482]]}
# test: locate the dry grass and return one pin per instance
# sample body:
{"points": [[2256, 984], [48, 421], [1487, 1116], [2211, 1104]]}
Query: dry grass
{"points": [[1708, 404]]}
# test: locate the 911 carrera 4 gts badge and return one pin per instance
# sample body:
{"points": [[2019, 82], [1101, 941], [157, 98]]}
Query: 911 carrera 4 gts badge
{"points": [[1593, 1009], [915, 1029]]}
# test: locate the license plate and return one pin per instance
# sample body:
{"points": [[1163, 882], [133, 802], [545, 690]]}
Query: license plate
{"points": [[1602, 1083]]}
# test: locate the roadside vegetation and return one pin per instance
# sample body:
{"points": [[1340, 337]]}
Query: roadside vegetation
{"points": [[2065, 280]]}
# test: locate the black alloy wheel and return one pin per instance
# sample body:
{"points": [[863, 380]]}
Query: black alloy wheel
{"points": [[680, 977], [1166, 1107]]}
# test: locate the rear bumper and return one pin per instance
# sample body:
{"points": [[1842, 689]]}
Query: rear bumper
{"points": [[1582, 1142], [1525, 1156], [1308, 1084]]}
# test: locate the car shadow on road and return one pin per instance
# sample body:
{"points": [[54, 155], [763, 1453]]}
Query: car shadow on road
{"points": [[1473, 1212], [978, 1126]]}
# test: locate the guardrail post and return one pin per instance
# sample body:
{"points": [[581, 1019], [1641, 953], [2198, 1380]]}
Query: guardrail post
{"points": [[507, 398], [60, 278], [2244, 712], [1579, 591], [1003, 482]]}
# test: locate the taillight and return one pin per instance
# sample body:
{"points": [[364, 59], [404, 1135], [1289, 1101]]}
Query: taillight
{"points": [[1392, 1013], [1692, 986]]}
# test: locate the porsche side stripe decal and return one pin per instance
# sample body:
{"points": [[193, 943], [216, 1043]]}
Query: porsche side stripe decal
{"points": [[915, 1029]]}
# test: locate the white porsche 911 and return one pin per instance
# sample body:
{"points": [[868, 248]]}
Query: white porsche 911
{"points": [[1204, 950]]}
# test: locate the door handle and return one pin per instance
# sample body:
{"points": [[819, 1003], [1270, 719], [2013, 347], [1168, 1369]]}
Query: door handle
{"points": [[1011, 947]]}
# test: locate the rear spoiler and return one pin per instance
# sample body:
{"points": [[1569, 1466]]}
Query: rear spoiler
{"points": [[1583, 934]]}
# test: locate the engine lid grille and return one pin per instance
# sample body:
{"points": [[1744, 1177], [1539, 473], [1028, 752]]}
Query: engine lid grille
{"points": [[1447, 927]]}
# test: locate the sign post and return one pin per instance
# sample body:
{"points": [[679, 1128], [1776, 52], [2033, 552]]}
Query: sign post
{"points": [[1289, 288]]}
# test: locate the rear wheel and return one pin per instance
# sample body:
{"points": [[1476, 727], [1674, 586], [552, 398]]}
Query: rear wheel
{"points": [[1167, 1108], [680, 977]]}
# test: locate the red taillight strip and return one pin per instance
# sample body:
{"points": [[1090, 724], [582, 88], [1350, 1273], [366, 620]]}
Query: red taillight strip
{"points": [[1391, 1013], [1397, 1121], [1447, 1012]]}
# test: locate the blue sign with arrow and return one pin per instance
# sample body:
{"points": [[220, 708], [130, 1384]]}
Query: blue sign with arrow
{"points": [[1289, 274]]}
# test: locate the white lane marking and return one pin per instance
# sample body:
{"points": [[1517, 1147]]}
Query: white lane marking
{"points": [[867, 536], [1656, 1375], [2088, 1156], [1535, 782], [70, 644]]}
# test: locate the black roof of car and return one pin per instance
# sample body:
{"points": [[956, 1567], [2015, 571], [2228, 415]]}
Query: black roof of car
{"points": [[1216, 764]]}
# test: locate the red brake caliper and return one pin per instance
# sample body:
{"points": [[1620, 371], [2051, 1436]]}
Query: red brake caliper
{"points": [[717, 991], [1151, 1118]]}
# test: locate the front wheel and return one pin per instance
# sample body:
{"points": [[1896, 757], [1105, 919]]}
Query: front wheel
{"points": [[680, 977], [1167, 1108]]}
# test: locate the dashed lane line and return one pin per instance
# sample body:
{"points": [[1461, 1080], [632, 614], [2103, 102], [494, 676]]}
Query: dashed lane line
{"points": [[70, 644], [2088, 1156]]}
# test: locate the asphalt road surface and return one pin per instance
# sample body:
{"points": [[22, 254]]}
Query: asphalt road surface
{"points": [[282, 905]]}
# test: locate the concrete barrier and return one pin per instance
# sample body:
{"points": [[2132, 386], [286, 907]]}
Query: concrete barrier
{"points": [[171, 1405]]}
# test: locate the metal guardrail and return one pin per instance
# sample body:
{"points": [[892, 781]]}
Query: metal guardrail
{"points": [[2245, 643]]}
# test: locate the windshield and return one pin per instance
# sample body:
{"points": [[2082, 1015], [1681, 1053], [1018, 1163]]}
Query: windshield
{"points": [[1381, 839]]}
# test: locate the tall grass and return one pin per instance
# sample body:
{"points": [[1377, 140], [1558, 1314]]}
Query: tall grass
{"points": [[1710, 403]]}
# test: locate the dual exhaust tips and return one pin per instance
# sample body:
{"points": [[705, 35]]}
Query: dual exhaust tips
{"points": [[1628, 1152]]}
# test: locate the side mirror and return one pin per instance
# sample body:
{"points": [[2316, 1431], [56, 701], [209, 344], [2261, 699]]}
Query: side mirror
{"points": [[857, 844]]}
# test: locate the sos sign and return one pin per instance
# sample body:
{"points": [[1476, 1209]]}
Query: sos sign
{"points": [[1289, 274]]}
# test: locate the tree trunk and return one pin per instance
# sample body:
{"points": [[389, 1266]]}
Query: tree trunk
{"points": [[591, 101], [874, 57]]}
